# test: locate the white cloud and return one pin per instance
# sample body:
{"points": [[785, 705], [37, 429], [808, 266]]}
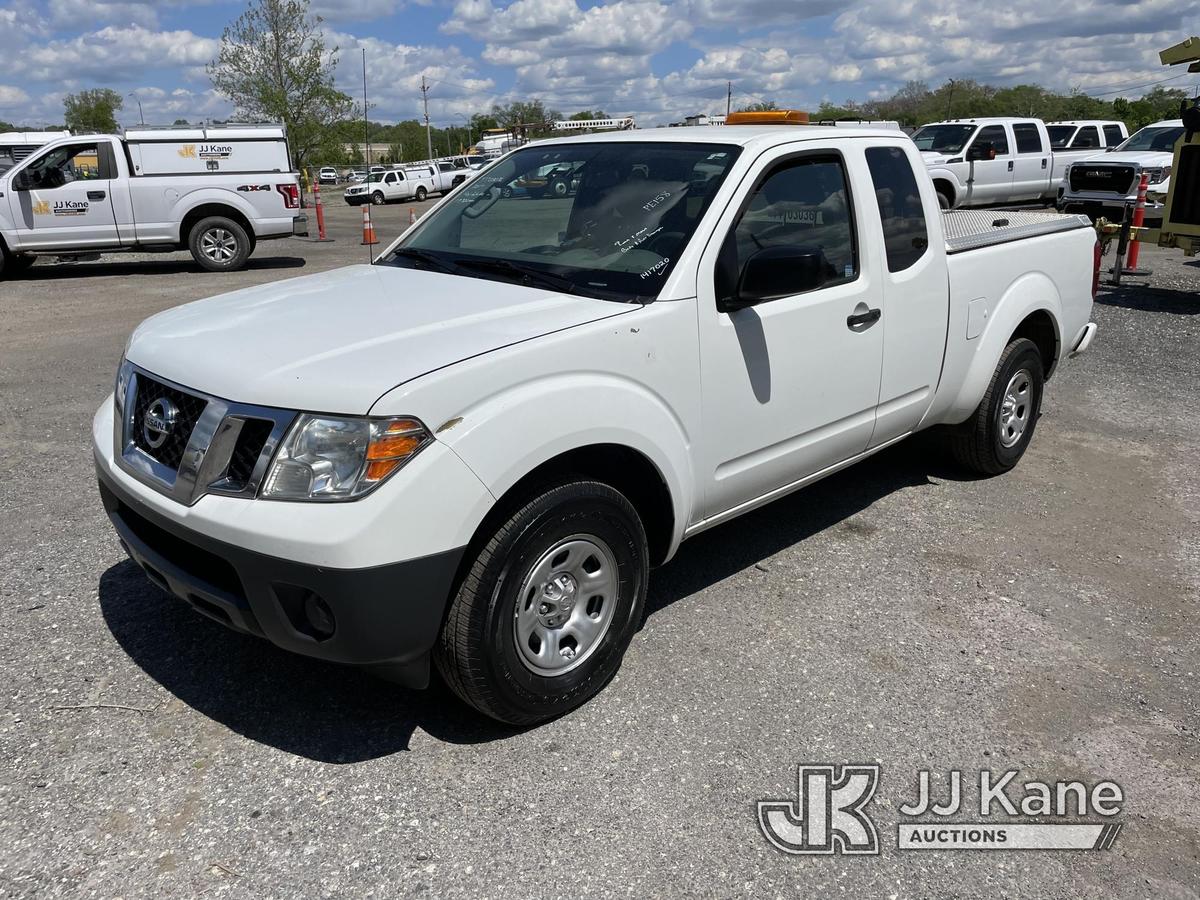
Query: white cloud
{"points": [[11, 97]]}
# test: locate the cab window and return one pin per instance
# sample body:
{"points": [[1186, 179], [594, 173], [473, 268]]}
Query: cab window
{"points": [[1112, 135], [905, 236], [1087, 136], [994, 135], [795, 234], [64, 165], [1027, 137]]}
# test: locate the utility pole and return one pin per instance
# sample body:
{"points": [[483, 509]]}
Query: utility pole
{"points": [[366, 121], [141, 118], [950, 99], [728, 97], [428, 132]]}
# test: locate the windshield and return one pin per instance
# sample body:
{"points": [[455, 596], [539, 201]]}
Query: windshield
{"points": [[376, 176], [1060, 136], [1161, 139], [942, 138], [604, 220]]}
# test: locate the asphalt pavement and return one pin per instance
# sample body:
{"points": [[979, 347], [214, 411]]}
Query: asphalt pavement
{"points": [[898, 613]]}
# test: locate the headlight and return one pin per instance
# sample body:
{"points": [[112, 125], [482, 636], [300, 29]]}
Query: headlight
{"points": [[328, 458], [124, 373], [1158, 176]]}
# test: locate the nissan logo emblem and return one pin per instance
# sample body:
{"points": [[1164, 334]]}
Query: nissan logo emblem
{"points": [[158, 422]]}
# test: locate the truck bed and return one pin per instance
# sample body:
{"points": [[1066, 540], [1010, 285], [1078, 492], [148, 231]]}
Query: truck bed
{"points": [[970, 229]]}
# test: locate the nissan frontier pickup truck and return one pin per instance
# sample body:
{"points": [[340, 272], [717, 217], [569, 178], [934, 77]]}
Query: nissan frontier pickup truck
{"points": [[469, 455]]}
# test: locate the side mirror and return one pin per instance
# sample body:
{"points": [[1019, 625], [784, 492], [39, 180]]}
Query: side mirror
{"points": [[778, 272], [981, 150]]}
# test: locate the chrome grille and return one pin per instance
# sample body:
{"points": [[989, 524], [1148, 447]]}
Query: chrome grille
{"points": [[213, 446]]}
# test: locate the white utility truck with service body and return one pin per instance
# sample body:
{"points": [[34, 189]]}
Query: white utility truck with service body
{"points": [[525, 404], [1103, 185], [213, 191], [985, 161]]}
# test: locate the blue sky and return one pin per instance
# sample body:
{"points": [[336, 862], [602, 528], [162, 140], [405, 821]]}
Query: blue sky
{"points": [[655, 59]]}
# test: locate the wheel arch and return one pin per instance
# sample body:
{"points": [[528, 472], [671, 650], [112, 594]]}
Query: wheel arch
{"points": [[214, 208]]}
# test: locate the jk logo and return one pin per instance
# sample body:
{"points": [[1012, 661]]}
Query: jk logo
{"points": [[827, 816]]}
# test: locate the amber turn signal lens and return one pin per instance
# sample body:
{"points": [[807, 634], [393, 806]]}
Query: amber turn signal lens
{"points": [[379, 469], [389, 446]]}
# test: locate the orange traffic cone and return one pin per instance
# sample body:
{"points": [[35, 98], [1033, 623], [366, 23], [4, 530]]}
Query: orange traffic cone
{"points": [[412, 216], [368, 228]]}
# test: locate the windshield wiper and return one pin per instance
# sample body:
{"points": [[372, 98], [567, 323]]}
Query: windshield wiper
{"points": [[426, 257], [527, 274]]}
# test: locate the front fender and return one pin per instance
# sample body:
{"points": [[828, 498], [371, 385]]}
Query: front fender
{"points": [[1032, 292], [505, 435], [939, 173]]}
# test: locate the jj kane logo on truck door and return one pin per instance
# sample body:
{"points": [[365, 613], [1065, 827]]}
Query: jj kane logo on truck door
{"points": [[60, 208]]}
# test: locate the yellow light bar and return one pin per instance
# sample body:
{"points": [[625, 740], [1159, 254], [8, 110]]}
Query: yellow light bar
{"points": [[772, 117]]}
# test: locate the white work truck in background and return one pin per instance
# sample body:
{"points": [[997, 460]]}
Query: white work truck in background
{"points": [[526, 403], [985, 161], [1103, 185], [16, 145], [213, 191], [393, 186]]}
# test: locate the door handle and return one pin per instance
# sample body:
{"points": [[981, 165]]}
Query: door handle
{"points": [[861, 321], [1043, 164], [95, 195], [1010, 162]]}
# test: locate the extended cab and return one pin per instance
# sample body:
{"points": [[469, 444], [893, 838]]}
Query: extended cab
{"points": [[1102, 185], [980, 162], [213, 191], [525, 404]]}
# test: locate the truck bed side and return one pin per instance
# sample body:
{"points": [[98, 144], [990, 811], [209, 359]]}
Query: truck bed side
{"points": [[990, 298]]}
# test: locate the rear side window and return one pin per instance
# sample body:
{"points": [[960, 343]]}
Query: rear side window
{"points": [[994, 135], [1028, 138], [1112, 135], [904, 233], [1088, 136]]}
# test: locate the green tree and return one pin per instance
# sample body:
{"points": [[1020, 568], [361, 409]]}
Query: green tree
{"points": [[532, 118], [273, 65], [92, 112], [761, 106], [585, 114]]}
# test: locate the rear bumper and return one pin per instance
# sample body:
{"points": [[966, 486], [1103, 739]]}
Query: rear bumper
{"points": [[387, 616]]}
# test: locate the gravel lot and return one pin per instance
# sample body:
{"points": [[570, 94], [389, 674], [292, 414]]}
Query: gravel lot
{"points": [[1044, 621]]}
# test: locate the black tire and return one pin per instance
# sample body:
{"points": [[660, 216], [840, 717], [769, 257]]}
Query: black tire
{"points": [[378, 199], [943, 200], [421, 193], [559, 188], [19, 263], [506, 192], [219, 244], [988, 443], [478, 654]]}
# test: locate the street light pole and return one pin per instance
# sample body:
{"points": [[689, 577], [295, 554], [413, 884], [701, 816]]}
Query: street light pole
{"points": [[138, 100]]}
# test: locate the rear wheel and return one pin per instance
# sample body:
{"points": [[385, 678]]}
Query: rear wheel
{"points": [[219, 244], [996, 436], [552, 599]]}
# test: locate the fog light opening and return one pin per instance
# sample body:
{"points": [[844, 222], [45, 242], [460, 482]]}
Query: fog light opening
{"points": [[319, 616]]}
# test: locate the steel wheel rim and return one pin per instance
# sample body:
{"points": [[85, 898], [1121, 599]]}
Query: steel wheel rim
{"points": [[565, 605], [377, 199], [219, 245], [1016, 408]]}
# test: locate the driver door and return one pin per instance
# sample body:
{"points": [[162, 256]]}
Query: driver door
{"points": [[62, 198], [790, 383]]}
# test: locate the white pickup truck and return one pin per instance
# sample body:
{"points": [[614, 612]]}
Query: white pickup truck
{"points": [[985, 161], [525, 404], [213, 191], [392, 186], [1103, 185]]}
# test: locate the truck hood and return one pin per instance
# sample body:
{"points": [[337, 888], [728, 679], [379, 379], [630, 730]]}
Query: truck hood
{"points": [[336, 341], [1144, 158], [932, 158]]}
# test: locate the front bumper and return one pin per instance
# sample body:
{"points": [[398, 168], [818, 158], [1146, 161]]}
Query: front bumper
{"points": [[1112, 208], [385, 616]]}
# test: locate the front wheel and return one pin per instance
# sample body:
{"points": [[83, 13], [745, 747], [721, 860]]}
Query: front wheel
{"points": [[996, 436], [219, 244], [943, 200], [421, 194], [551, 601], [378, 199]]}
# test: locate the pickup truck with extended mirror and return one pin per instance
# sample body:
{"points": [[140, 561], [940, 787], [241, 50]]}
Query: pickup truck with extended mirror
{"points": [[526, 403]]}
